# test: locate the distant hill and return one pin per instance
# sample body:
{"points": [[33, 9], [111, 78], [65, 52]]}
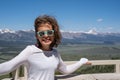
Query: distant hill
{"points": [[91, 37]]}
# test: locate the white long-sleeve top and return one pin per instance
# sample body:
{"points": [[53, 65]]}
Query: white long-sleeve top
{"points": [[41, 64]]}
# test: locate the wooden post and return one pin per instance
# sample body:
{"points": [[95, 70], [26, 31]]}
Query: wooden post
{"points": [[117, 68]]}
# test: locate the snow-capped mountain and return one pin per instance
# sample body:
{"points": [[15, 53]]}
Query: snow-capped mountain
{"points": [[20, 35], [68, 36], [2, 31]]}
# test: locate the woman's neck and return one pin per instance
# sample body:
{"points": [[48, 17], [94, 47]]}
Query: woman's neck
{"points": [[46, 48]]}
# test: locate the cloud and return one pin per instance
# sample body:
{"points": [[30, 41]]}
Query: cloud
{"points": [[99, 20]]}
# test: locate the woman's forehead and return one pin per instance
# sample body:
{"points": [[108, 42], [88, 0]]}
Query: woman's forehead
{"points": [[45, 26]]}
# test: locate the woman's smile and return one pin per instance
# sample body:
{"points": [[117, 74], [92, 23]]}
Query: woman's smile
{"points": [[46, 40]]}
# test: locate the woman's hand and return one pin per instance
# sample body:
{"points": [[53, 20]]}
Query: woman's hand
{"points": [[85, 61]]}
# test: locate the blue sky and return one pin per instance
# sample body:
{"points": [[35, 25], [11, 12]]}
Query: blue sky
{"points": [[72, 15]]}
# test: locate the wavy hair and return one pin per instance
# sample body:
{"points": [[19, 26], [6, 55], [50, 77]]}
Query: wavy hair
{"points": [[53, 22]]}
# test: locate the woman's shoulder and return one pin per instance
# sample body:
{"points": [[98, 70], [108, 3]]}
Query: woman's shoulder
{"points": [[29, 47], [34, 48]]}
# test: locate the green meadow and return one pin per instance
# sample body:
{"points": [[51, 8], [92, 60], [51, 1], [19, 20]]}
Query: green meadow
{"points": [[92, 52]]}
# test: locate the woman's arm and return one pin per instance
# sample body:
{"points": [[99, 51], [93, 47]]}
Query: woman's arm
{"points": [[12, 64], [67, 69]]}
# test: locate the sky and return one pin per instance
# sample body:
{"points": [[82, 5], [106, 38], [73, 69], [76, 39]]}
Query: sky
{"points": [[72, 15]]}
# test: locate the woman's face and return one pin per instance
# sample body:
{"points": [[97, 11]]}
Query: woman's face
{"points": [[45, 35]]}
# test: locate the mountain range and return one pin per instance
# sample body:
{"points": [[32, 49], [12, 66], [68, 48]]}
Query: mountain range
{"points": [[68, 37]]}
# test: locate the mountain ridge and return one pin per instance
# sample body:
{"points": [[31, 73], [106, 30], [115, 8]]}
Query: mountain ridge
{"points": [[68, 37]]}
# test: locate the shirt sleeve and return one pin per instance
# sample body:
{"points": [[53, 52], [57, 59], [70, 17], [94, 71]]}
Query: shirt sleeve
{"points": [[12, 64], [67, 69]]}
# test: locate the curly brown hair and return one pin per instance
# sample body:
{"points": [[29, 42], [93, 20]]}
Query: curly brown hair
{"points": [[53, 22]]}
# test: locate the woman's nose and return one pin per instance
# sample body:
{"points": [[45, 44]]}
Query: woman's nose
{"points": [[45, 35]]}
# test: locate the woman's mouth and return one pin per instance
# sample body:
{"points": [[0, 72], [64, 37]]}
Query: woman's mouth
{"points": [[46, 40]]}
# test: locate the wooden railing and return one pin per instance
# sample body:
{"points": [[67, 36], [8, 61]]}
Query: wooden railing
{"points": [[102, 62], [98, 76], [93, 77]]}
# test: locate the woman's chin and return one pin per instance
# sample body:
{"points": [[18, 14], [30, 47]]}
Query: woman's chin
{"points": [[46, 43]]}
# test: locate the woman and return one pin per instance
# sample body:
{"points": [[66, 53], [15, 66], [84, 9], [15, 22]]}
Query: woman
{"points": [[42, 59]]}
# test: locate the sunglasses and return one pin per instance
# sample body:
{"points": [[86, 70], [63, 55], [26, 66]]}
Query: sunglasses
{"points": [[47, 32]]}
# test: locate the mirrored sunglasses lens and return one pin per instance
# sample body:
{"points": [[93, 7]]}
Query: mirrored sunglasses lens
{"points": [[50, 32], [41, 34]]}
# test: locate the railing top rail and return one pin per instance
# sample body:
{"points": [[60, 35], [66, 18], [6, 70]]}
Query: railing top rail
{"points": [[99, 62]]}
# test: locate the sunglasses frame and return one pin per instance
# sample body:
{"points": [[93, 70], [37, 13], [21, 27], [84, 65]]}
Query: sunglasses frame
{"points": [[45, 33]]}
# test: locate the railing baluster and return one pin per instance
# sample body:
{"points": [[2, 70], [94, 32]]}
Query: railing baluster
{"points": [[117, 68]]}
